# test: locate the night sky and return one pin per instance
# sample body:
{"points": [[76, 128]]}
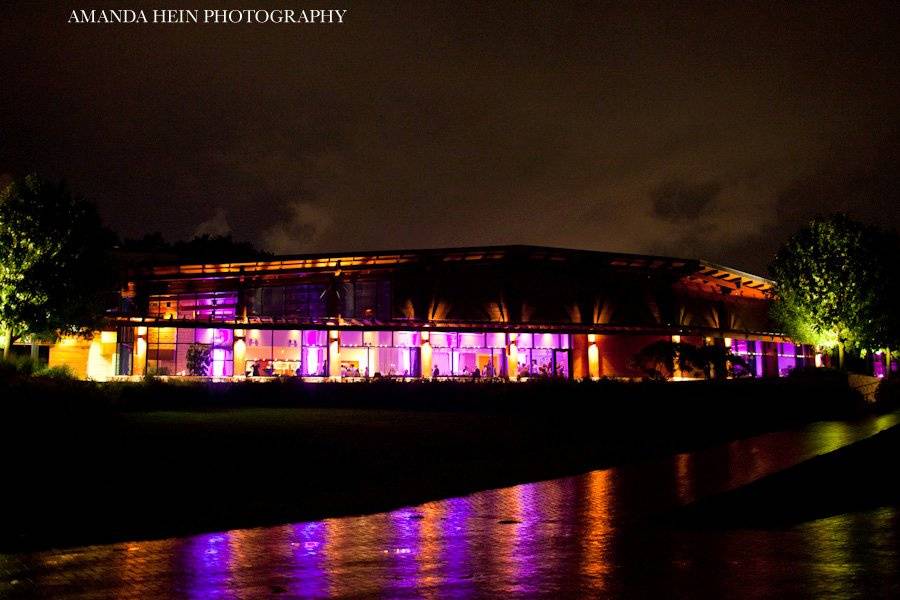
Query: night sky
{"points": [[700, 131]]}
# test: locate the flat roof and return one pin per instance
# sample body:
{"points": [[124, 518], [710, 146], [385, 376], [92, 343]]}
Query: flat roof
{"points": [[707, 271]]}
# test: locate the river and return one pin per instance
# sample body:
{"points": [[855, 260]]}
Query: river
{"points": [[582, 536]]}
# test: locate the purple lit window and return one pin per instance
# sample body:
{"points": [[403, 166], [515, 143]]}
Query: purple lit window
{"points": [[787, 358]]}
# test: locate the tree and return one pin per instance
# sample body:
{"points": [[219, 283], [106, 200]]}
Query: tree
{"points": [[829, 283], [658, 359], [198, 359], [662, 357], [55, 275]]}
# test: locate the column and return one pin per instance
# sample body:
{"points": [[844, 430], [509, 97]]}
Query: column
{"points": [[425, 354], [511, 370], [239, 352], [593, 357], [334, 356], [140, 352], [580, 356]]}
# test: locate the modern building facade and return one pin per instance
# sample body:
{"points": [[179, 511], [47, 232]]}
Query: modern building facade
{"points": [[513, 312]]}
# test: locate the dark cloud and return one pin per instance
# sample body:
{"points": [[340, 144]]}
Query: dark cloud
{"points": [[679, 201], [304, 226], [433, 124]]}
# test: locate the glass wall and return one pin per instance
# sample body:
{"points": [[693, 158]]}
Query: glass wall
{"points": [[789, 358], [210, 306], [749, 350], [362, 353], [460, 354], [782, 357], [380, 354], [543, 355], [167, 349], [303, 301], [363, 298], [286, 353]]}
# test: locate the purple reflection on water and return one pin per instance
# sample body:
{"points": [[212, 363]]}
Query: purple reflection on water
{"points": [[209, 566], [526, 535], [531, 533], [403, 548], [308, 549], [455, 553], [584, 536]]}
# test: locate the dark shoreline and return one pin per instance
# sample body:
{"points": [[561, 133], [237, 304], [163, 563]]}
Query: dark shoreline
{"points": [[849, 480], [111, 468]]}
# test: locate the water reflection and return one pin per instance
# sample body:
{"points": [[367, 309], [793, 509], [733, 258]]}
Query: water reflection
{"points": [[576, 536], [208, 566], [308, 552], [595, 518]]}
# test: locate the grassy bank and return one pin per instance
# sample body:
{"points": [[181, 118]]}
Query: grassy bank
{"points": [[856, 478], [100, 462]]}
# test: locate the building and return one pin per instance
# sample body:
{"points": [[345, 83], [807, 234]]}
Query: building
{"points": [[514, 312]]}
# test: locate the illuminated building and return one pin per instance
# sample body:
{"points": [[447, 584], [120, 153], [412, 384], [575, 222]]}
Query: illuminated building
{"points": [[512, 312]]}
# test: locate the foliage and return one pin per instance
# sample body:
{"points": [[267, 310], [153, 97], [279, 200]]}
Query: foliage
{"points": [[55, 276], [831, 284], [19, 365], [658, 358], [153, 372], [661, 357], [57, 372], [199, 357]]}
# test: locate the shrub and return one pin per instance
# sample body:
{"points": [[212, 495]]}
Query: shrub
{"points": [[7, 369], [57, 372], [198, 359], [20, 365]]}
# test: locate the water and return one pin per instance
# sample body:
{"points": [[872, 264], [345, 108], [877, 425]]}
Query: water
{"points": [[583, 536]]}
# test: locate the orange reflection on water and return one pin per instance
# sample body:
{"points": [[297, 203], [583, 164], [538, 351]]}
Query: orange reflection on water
{"points": [[501, 557], [595, 543], [429, 559], [143, 567], [684, 482], [335, 551]]}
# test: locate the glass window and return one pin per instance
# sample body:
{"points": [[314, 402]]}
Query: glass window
{"points": [[351, 338], [406, 339], [442, 339], [495, 340], [471, 340], [546, 340], [315, 337]]}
